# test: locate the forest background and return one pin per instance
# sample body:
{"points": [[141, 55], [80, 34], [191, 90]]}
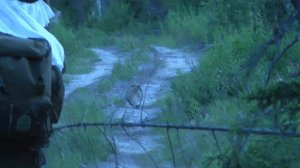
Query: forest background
{"points": [[247, 75]]}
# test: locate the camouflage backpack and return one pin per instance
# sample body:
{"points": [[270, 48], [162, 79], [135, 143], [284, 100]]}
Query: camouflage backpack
{"points": [[26, 110]]}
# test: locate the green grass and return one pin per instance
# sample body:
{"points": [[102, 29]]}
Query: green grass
{"points": [[186, 26], [74, 147], [218, 90], [79, 58], [94, 37], [129, 67]]}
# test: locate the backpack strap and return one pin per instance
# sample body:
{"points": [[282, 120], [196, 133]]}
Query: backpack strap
{"points": [[21, 47]]}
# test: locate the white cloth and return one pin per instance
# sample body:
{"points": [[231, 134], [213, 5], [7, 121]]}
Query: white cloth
{"points": [[39, 10], [16, 21]]}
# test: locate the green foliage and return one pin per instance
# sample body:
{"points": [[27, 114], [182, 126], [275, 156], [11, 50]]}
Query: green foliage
{"points": [[194, 21], [224, 13], [288, 66], [186, 25], [271, 152], [116, 17], [130, 67], [76, 52], [148, 11], [78, 147], [93, 37], [218, 86], [282, 100], [76, 13], [220, 73], [128, 42], [271, 12], [123, 71]]}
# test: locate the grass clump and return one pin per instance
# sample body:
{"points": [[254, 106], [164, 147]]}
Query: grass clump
{"points": [[81, 146], [220, 74], [186, 26], [129, 67]]}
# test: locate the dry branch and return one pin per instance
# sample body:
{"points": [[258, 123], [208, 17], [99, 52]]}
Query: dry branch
{"points": [[171, 147], [111, 144], [217, 143], [278, 56], [256, 131], [276, 39], [91, 147]]}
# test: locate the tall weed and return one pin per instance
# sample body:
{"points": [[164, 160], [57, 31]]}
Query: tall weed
{"points": [[220, 73], [79, 147], [186, 26]]}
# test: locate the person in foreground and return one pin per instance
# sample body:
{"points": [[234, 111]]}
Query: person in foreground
{"points": [[31, 85]]}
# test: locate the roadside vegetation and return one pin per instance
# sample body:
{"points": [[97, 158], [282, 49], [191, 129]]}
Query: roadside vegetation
{"points": [[225, 88]]}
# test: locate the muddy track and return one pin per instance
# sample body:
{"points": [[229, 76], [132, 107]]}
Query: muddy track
{"points": [[138, 147]]}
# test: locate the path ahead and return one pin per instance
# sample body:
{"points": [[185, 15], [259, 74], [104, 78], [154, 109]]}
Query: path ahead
{"points": [[102, 68], [133, 150]]}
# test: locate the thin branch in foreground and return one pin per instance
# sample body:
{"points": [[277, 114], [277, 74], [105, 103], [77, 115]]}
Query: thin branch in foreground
{"points": [[113, 148], [278, 56], [147, 82], [180, 144], [171, 147], [217, 143], [91, 147], [257, 56], [256, 131], [276, 37], [141, 145], [116, 154]]}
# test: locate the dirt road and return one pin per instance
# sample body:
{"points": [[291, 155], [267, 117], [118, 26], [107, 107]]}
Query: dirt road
{"points": [[135, 147]]}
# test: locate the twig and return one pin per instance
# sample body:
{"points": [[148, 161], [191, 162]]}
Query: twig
{"points": [[180, 144], [277, 36], [171, 147], [217, 143], [143, 103], [116, 154], [277, 57], [256, 57], [113, 148], [257, 131], [91, 147], [255, 120], [83, 116], [147, 81], [141, 145]]}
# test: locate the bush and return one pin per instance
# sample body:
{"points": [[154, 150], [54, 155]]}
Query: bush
{"points": [[186, 26], [220, 73], [76, 52], [115, 18], [81, 146]]}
